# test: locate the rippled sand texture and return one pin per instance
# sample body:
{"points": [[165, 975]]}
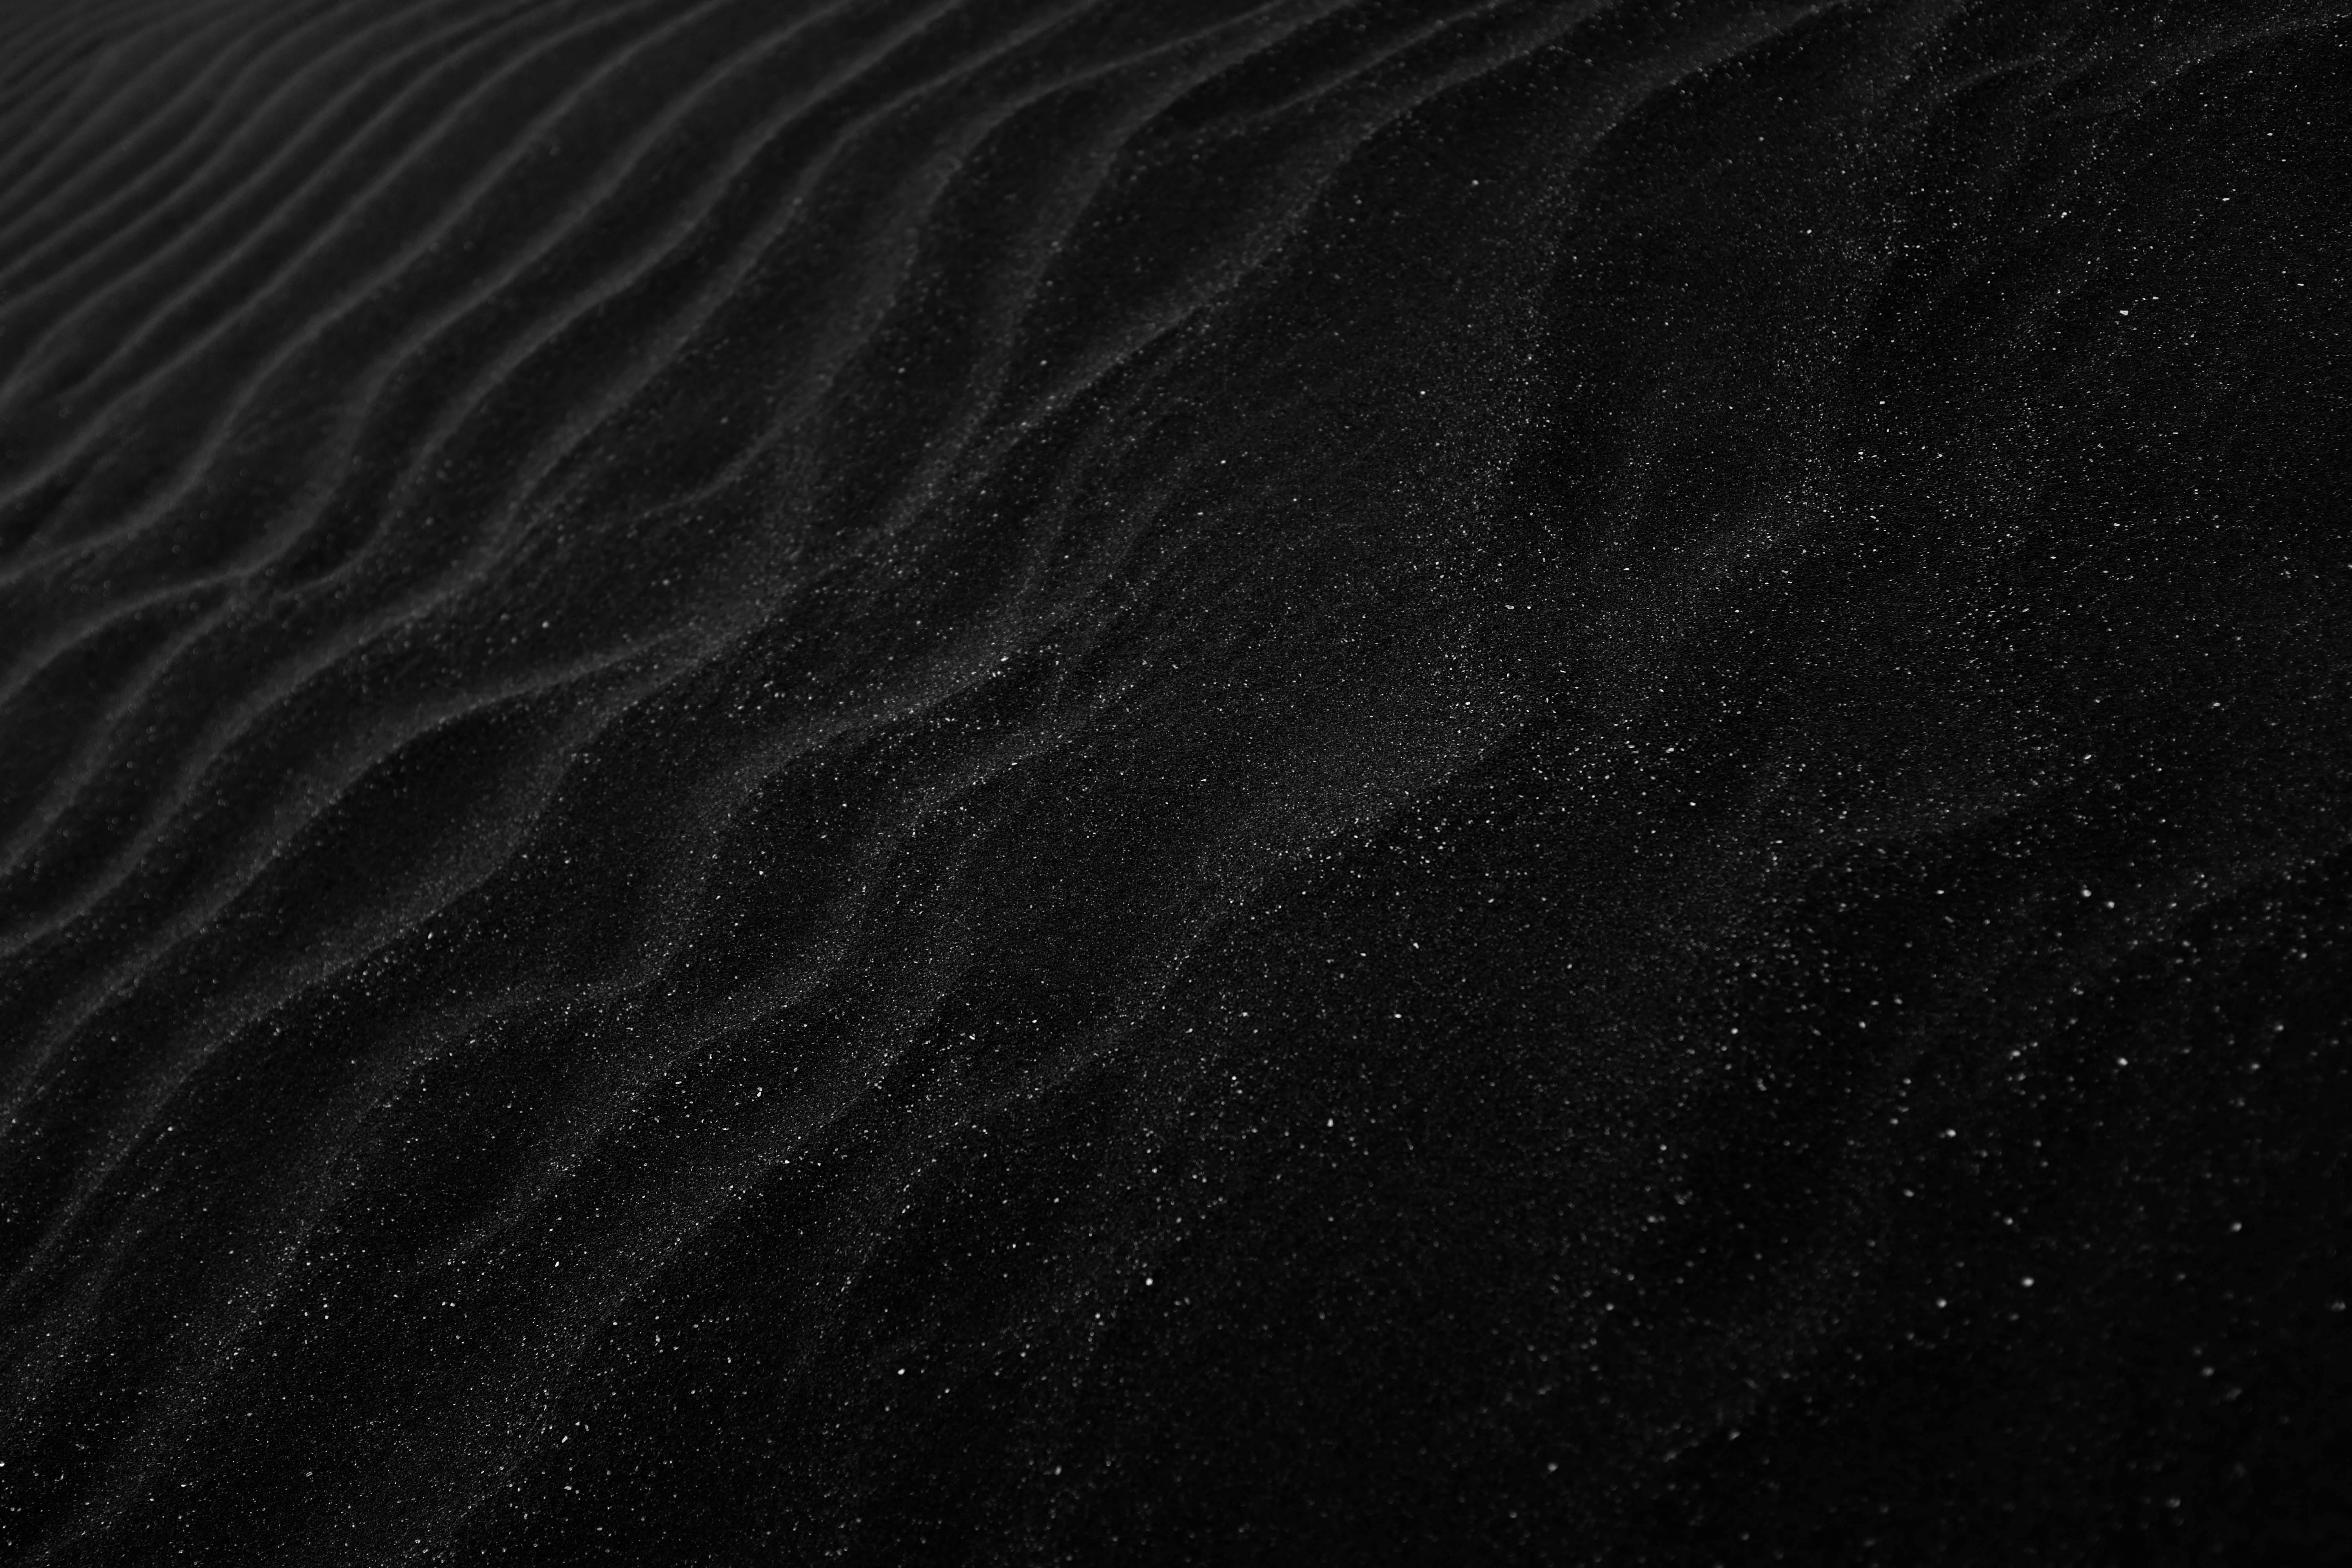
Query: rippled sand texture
{"points": [[1056, 779]]}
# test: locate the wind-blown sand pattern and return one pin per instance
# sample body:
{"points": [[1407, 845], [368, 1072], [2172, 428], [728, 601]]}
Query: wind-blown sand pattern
{"points": [[1034, 781]]}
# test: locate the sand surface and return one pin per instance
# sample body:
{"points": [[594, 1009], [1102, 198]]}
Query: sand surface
{"points": [[1090, 782]]}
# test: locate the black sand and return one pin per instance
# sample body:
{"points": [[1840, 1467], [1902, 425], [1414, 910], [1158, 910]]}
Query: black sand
{"points": [[1106, 780]]}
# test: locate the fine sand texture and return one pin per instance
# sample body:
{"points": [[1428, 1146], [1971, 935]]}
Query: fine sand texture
{"points": [[1092, 782]]}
